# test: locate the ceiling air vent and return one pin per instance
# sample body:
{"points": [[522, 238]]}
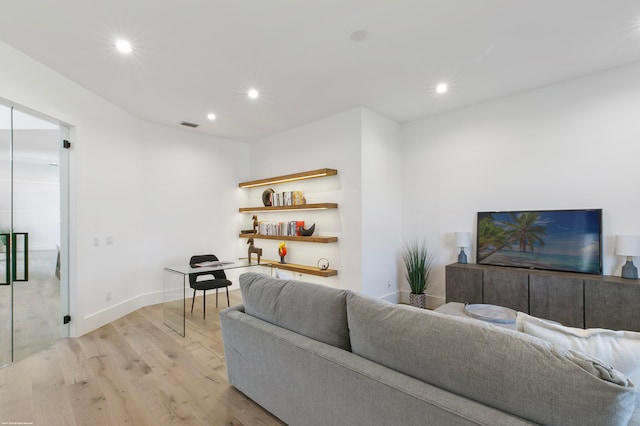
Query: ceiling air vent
{"points": [[185, 123]]}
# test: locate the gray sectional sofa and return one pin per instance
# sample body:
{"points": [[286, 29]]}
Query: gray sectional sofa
{"points": [[314, 355]]}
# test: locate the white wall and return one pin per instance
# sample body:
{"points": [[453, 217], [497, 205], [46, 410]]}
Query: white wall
{"points": [[381, 205], [333, 142], [191, 197], [126, 182], [571, 145], [365, 149]]}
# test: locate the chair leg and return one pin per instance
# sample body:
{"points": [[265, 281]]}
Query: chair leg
{"points": [[204, 304], [216, 297], [228, 304], [193, 300]]}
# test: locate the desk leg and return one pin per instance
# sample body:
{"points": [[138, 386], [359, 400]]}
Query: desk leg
{"points": [[173, 300]]}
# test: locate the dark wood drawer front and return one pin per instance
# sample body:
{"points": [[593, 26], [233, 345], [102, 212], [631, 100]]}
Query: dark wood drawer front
{"points": [[613, 304], [557, 298], [463, 284], [509, 288]]}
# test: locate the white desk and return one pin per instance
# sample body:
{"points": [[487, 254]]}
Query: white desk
{"points": [[174, 290]]}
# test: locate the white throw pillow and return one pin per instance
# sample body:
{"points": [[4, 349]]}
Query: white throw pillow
{"points": [[620, 349]]}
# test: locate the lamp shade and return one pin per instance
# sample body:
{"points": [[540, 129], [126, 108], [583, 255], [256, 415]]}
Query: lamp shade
{"points": [[628, 245], [463, 239]]}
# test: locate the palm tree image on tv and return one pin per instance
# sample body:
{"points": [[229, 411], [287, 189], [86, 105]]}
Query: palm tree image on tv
{"points": [[565, 240]]}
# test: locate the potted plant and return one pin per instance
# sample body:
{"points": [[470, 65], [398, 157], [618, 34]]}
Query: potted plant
{"points": [[418, 261]]}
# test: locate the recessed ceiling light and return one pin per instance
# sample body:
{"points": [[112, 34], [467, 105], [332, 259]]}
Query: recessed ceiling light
{"points": [[123, 46], [211, 116], [441, 88], [253, 93]]}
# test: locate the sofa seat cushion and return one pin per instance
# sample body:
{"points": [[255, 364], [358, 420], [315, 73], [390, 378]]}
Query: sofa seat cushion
{"points": [[505, 369], [313, 310]]}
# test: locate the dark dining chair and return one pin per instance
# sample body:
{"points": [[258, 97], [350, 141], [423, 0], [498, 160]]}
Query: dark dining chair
{"points": [[216, 280]]}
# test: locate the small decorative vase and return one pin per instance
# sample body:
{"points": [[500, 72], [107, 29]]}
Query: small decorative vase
{"points": [[266, 197], [307, 232], [282, 259], [418, 300]]}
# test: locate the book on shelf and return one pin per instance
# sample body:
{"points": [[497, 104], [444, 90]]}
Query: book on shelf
{"points": [[298, 198], [287, 198], [289, 229]]}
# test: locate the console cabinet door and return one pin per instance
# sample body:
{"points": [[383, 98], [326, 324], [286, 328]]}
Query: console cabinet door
{"points": [[557, 298], [463, 284], [612, 303], [509, 288]]}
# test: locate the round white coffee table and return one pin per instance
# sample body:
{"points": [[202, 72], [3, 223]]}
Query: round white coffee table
{"points": [[491, 313]]}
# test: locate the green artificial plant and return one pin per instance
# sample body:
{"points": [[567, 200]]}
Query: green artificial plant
{"points": [[418, 262]]}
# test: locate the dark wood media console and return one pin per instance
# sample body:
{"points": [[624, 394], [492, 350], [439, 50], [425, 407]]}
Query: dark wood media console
{"points": [[575, 300]]}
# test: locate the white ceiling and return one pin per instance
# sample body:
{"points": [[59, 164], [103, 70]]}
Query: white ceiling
{"points": [[192, 57]]}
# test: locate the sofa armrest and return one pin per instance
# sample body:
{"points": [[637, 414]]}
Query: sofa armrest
{"points": [[236, 308]]}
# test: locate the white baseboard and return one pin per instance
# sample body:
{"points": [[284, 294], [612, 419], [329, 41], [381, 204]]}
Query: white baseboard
{"points": [[105, 316], [391, 298], [152, 298]]}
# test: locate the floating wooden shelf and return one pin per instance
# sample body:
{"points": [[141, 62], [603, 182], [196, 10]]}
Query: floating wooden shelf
{"points": [[311, 239], [317, 206], [289, 178], [303, 269]]}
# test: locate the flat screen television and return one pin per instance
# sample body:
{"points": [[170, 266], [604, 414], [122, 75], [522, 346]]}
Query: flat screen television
{"points": [[556, 240]]}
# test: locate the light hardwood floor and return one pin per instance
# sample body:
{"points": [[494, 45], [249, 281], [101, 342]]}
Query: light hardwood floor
{"points": [[134, 371], [36, 316]]}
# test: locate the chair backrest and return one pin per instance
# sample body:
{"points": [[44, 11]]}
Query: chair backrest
{"points": [[219, 275]]}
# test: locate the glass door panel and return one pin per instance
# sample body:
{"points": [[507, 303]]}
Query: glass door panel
{"points": [[6, 340], [36, 233]]}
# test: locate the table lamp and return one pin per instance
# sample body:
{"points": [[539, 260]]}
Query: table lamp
{"points": [[628, 245], [463, 239]]}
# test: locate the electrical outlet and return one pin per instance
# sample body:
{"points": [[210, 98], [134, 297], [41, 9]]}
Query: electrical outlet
{"points": [[388, 284], [108, 296], [96, 241]]}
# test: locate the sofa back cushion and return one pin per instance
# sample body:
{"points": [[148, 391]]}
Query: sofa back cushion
{"points": [[505, 369], [315, 311]]}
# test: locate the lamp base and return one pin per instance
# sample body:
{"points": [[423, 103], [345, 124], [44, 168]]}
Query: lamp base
{"points": [[629, 270], [462, 257]]}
